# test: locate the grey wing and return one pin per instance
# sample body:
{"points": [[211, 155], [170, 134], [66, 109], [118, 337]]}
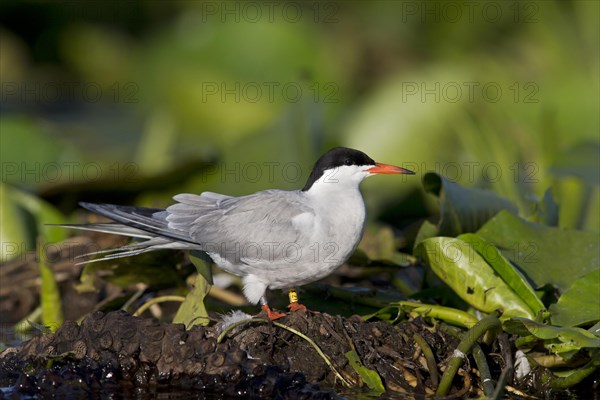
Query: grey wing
{"points": [[189, 207], [252, 229]]}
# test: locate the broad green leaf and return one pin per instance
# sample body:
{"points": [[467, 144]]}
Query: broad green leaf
{"points": [[505, 270], [368, 376], [545, 255], [469, 275], [556, 339], [193, 310], [463, 209], [580, 304]]}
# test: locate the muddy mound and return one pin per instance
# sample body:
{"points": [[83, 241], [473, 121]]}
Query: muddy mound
{"points": [[256, 358]]}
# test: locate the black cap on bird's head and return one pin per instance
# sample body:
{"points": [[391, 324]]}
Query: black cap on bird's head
{"points": [[344, 156]]}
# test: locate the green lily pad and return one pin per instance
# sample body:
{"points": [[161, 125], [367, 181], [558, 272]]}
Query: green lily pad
{"points": [[459, 265], [545, 255], [579, 305], [463, 209], [505, 270]]}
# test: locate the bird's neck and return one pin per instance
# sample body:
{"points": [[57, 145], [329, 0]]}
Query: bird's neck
{"points": [[342, 214], [335, 199], [333, 190]]}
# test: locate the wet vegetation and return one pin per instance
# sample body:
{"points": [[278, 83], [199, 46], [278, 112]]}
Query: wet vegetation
{"points": [[478, 278]]}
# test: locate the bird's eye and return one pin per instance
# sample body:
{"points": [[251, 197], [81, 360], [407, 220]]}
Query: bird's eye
{"points": [[347, 162]]}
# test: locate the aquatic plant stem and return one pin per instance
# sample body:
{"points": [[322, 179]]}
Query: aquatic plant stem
{"points": [[429, 358], [469, 339], [484, 370], [156, 300]]}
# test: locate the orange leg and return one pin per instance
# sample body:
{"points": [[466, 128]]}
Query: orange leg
{"points": [[297, 307], [294, 305], [273, 315]]}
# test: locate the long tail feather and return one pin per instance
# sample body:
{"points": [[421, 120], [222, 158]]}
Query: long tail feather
{"points": [[151, 220], [149, 224], [113, 228], [137, 248]]}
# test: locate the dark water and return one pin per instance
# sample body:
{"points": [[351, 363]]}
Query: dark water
{"points": [[144, 394]]}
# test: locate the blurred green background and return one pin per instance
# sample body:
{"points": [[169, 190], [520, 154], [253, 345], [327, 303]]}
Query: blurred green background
{"points": [[133, 102]]}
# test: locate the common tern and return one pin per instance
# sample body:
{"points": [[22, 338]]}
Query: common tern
{"points": [[272, 239]]}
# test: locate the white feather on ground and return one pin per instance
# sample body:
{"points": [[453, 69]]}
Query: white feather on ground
{"points": [[231, 318]]}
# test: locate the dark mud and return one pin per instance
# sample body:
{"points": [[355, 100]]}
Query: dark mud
{"points": [[118, 353]]}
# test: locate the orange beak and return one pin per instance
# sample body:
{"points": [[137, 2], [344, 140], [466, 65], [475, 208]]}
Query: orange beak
{"points": [[388, 169]]}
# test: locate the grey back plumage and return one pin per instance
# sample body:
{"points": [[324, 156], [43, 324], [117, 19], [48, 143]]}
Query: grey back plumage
{"points": [[237, 228], [251, 230]]}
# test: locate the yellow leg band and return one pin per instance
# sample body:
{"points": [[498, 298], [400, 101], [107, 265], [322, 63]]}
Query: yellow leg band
{"points": [[293, 296]]}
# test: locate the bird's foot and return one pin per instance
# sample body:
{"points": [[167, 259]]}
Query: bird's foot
{"points": [[295, 306], [273, 315]]}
